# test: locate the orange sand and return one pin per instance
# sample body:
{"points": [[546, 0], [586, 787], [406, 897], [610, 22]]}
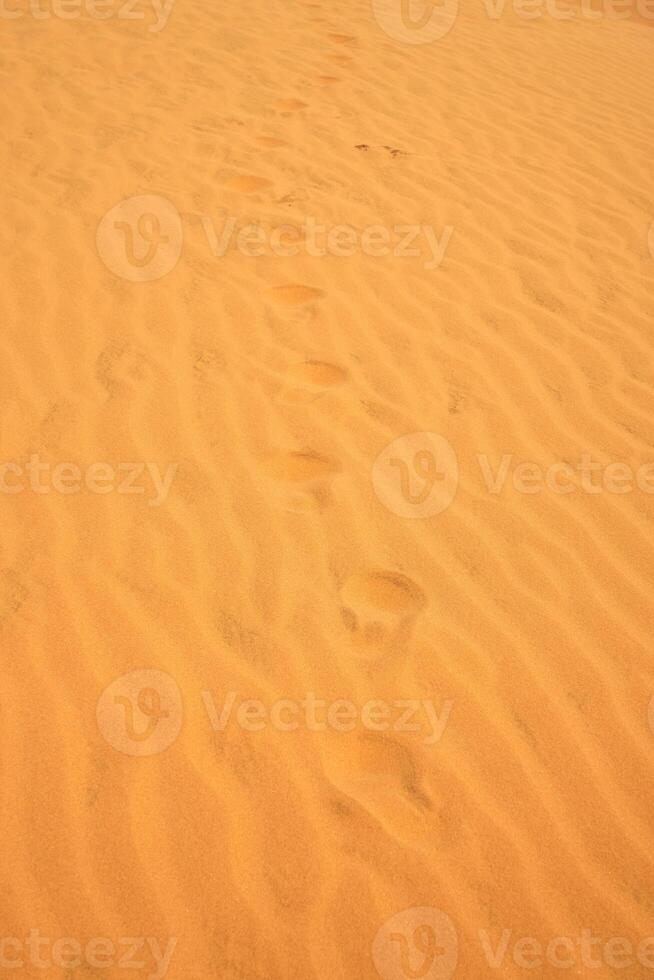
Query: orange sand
{"points": [[293, 553]]}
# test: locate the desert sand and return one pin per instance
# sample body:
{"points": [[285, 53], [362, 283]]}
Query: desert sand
{"points": [[280, 546]]}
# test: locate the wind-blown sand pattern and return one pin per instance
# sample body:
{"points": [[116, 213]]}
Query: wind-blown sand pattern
{"points": [[271, 564]]}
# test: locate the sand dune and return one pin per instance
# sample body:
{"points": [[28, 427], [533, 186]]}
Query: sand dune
{"points": [[391, 482]]}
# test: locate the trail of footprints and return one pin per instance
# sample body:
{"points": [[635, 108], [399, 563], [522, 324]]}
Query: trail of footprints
{"points": [[378, 607]]}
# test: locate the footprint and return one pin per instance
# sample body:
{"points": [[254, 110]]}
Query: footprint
{"points": [[290, 105], [327, 79], [295, 294], [208, 364], [341, 38], [381, 775], [379, 611], [394, 152], [121, 367], [308, 380], [247, 183], [13, 594], [340, 59], [271, 141], [303, 479]]}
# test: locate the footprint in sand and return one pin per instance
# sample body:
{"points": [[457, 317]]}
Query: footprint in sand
{"points": [[340, 59], [327, 79], [341, 38], [121, 368], [379, 610], [294, 294], [271, 141], [382, 776], [247, 183], [308, 380], [302, 480], [290, 105]]}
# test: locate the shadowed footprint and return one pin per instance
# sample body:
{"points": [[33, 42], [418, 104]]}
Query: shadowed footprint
{"points": [[381, 776], [295, 294], [121, 368], [379, 610], [290, 105], [302, 479], [308, 380], [247, 183]]}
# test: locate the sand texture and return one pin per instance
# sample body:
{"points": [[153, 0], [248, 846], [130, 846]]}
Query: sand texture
{"points": [[286, 465]]}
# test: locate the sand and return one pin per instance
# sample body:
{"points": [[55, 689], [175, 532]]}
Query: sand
{"points": [[335, 509]]}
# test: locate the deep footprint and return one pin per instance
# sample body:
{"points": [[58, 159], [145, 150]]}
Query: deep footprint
{"points": [[303, 479], [308, 380]]}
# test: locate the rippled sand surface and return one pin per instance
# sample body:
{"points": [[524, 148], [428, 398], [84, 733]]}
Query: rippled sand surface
{"points": [[326, 555]]}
